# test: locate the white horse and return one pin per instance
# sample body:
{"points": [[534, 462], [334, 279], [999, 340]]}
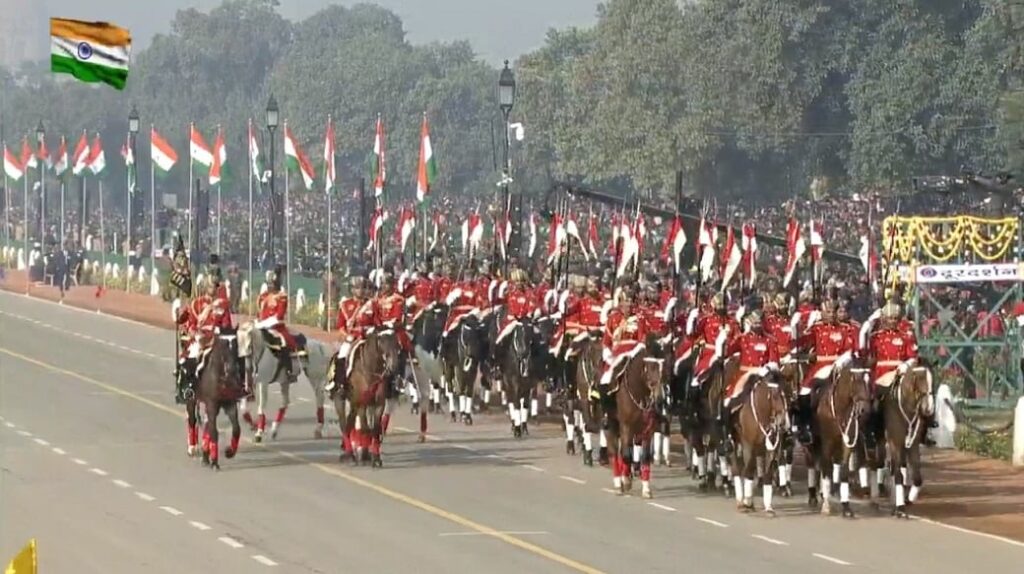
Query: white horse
{"points": [[266, 369]]}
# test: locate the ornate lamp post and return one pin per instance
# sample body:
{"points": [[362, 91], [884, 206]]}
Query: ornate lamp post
{"points": [[506, 100], [273, 118]]}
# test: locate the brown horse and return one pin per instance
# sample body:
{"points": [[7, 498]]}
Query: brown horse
{"points": [[758, 428], [584, 414], [905, 406], [632, 417], [220, 386], [839, 422], [707, 435], [360, 403], [793, 372]]}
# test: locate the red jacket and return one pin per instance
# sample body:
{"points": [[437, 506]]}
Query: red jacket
{"points": [[755, 350], [621, 329], [356, 316]]}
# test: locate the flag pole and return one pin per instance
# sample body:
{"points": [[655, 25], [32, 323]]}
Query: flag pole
{"points": [[28, 270], [63, 192], [287, 236], [248, 145], [7, 203], [190, 246], [83, 204], [328, 189], [103, 237], [128, 223], [152, 204]]}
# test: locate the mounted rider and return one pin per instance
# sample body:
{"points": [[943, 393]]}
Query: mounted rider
{"points": [[624, 335], [465, 299], [777, 324], [273, 310], [357, 314], [518, 302], [758, 355], [202, 319], [391, 311], [569, 326], [832, 348], [711, 335]]}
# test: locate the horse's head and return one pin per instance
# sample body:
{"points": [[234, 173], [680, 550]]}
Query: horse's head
{"points": [[775, 395], [655, 373], [388, 349], [791, 373], [916, 392], [852, 385], [522, 346]]}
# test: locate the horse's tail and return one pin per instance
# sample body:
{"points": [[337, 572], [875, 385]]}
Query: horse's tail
{"points": [[245, 339]]}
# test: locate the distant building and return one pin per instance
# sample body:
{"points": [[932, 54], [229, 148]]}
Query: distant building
{"points": [[23, 32]]}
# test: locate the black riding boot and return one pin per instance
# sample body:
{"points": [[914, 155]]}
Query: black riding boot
{"points": [[804, 419], [179, 384], [725, 428]]}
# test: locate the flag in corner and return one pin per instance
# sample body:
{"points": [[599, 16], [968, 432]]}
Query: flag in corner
{"points": [[162, 154], [297, 159], [379, 165], [80, 159], [427, 172], [12, 165], [329, 173], [97, 159], [90, 51], [25, 562], [60, 162]]}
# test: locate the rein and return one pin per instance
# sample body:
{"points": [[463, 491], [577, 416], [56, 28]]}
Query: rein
{"points": [[852, 421], [769, 445], [913, 424]]}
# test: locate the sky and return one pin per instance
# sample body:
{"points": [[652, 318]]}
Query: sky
{"points": [[497, 29]]}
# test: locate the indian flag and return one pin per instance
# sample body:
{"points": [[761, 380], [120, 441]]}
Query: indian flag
{"points": [[60, 163], [329, 172], [297, 159], [199, 150], [163, 155], [12, 166], [97, 159], [378, 165], [220, 157], [90, 51], [427, 172], [80, 159]]}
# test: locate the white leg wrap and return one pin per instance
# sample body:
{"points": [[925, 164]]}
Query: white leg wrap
{"points": [[451, 403], [737, 485], [504, 398], [657, 446], [702, 465], [435, 395], [844, 492], [578, 418], [547, 400], [487, 396], [515, 416], [874, 487], [766, 493], [414, 393], [748, 488], [523, 416], [533, 407], [863, 475], [914, 492], [899, 494], [512, 411], [835, 473], [723, 466], [880, 476], [783, 479], [602, 440], [637, 452], [826, 488], [570, 432], [617, 482], [588, 441], [812, 478], [665, 446], [906, 477]]}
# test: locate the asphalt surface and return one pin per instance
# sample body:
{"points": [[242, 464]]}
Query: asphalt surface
{"points": [[93, 465]]}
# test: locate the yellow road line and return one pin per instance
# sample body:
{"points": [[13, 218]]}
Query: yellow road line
{"points": [[394, 495]]}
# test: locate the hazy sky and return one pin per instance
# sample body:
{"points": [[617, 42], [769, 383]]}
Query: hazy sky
{"points": [[496, 28]]}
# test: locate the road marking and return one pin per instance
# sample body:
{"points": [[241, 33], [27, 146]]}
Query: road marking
{"points": [[9, 425], [145, 496], [770, 540], [496, 532], [59, 451], [98, 471], [79, 461], [24, 433], [121, 483], [199, 525], [231, 542], [572, 479], [712, 522], [831, 559], [464, 447], [610, 490], [969, 531], [662, 506], [42, 442], [351, 478], [171, 510], [534, 468], [263, 560]]}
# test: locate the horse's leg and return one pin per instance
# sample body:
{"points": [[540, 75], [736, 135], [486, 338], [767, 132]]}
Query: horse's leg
{"points": [[375, 417], [844, 483], [524, 415], [262, 392], [191, 428], [285, 401], [767, 487], [826, 466], [513, 416], [231, 408], [626, 454], [569, 421], [212, 410], [319, 398], [588, 438], [811, 460], [645, 469], [749, 470], [243, 409], [614, 456], [341, 410]]}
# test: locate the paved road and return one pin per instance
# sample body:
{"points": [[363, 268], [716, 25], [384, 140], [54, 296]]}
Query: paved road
{"points": [[92, 464]]}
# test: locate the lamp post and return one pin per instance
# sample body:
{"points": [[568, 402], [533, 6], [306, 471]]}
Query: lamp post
{"points": [[132, 180], [40, 138], [272, 122], [506, 100]]}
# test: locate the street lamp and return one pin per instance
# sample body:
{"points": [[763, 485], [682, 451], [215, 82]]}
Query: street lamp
{"points": [[506, 100], [133, 121], [272, 122], [40, 138]]}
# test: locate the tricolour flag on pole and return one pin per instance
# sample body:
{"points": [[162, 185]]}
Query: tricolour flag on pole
{"points": [[12, 165], [80, 159], [163, 155], [427, 172], [28, 158], [254, 155], [379, 165], [296, 158], [199, 151], [220, 157], [25, 562], [44, 154], [97, 159], [60, 162], [90, 51], [329, 174]]}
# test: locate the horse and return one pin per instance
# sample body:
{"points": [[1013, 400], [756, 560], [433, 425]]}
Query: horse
{"points": [[905, 405], [636, 388], [219, 387], [462, 353], [792, 372], [758, 428], [839, 416], [427, 326], [361, 401], [583, 413], [667, 405], [705, 432], [512, 357], [266, 366]]}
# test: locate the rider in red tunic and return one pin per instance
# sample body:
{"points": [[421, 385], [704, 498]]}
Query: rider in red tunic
{"points": [[519, 304], [828, 341], [391, 309], [465, 298], [777, 324], [713, 331], [624, 336], [758, 354], [570, 306], [202, 319], [357, 314]]}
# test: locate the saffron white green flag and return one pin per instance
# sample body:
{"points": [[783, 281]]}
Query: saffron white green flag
{"points": [[296, 159], [90, 51]]}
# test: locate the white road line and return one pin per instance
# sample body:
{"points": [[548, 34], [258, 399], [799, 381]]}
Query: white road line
{"points": [[712, 522], [464, 447], [9, 425], [79, 461], [171, 510], [24, 433], [609, 490], [59, 451], [831, 559], [661, 506], [974, 532], [495, 456], [263, 560], [98, 471], [145, 496], [42, 442], [509, 532], [231, 542], [199, 525], [770, 540], [534, 468], [121, 483], [572, 479]]}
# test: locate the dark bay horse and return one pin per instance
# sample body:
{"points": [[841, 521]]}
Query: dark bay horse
{"points": [[462, 354], [360, 404], [758, 429], [632, 418], [706, 436], [792, 373], [905, 405], [513, 360], [220, 386], [838, 423]]}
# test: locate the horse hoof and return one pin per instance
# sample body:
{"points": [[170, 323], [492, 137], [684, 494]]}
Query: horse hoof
{"points": [[318, 434], [748, 507], [377, 463], [215, 466], [258, 438], [588, 458], [526, 430], [469, 420], [230, 453], [570, 448], [769, 512], [190, 451], [454, 417], [647, 494], [787, 491], [826, 510], [847, 511]]}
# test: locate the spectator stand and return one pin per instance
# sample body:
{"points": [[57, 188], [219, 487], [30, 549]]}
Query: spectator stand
{"points": [[964, 277]]}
